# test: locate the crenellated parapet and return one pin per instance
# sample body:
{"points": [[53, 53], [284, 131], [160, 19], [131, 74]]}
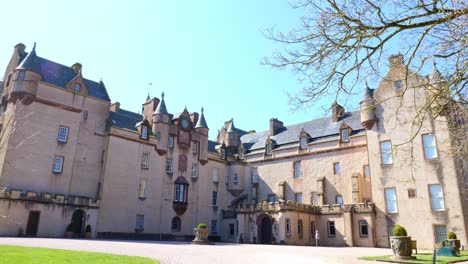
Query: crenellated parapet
{"points": [[48, 198]]}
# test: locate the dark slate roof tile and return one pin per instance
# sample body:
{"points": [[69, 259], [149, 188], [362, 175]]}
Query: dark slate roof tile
{"points": [[317, 128], [124, 119], [212, 146]]}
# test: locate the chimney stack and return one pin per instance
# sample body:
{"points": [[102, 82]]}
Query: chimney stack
{"points": [[275, 124], [396, 60], [20, 47], [77, 67], [337, 111], [115, 107]]}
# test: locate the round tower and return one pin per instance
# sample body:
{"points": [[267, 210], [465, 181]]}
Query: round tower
{"points": [[367, 104], [25, 78]]}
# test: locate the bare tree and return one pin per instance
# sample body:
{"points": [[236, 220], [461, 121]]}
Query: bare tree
{"points": [[340, 43]]}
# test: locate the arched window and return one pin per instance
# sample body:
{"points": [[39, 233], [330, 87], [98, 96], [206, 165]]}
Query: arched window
{"points": [[175, 225], [77, 88]]}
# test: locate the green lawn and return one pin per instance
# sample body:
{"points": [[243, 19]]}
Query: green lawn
{"points": [[33, 255], [424, 258]]}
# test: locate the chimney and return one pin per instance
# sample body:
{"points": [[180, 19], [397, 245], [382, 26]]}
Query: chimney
{"points": [[194, 117], [149, 107], [115, 107], [77, 67], [275, 124], [337, 111], [20, 47], [396, 60]]}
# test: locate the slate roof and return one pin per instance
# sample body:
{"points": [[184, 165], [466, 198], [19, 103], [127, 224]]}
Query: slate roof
{"points": [[124, 119], [59, 75], [212, 146], [317, 128], [201, 123]]}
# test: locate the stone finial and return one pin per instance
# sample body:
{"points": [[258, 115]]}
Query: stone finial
{"points": [[396, 60]]}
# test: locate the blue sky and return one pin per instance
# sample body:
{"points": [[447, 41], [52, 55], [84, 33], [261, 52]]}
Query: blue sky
{"points": [[200, 53]]}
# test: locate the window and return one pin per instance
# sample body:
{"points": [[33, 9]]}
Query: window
{"points": [[254, 175], [231, 136], [331, 229], [363, 229], [223, 153], [312, 230], [336, 168], [398, 84], [271, 198], [158, 135], [175, 224], [180, 193], [440, 233], [268, 149], [21, 75], [344, 134], [288, 227], [437, 197], [171, 142], [194, 147], [391, 200], [214, 201], [145, 160], [298, 198], [58, 164], [315, 199], [297, 170], [76, 88], [411, 193], [140, 223], [366, 171], [226, 179], [430, 150], [214, 227], [62, 134], [142, 189], [232, 230], [85, 115], [144, 132], [215, 175], [235, 180], [194, 170], [299, 228], [339, 199], [386, 152], [303, 142], [241, 153], [169, 165]]}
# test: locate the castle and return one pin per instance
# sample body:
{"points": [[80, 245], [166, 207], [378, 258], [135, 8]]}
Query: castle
{"points": [[71, 157]]}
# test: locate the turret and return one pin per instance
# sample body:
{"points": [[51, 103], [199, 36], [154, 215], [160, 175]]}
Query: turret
{"points": [[148, 108], [202, 129], [367, 104], [438, 90], [25, 77], [231, 136], [161, 126]]}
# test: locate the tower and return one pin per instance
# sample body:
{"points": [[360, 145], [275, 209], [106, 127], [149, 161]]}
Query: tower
{"points": [[202, 129], [367, 103], [161, 126]]}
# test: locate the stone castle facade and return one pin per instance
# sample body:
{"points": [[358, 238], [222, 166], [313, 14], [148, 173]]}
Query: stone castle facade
{"points": [[70, 156]]}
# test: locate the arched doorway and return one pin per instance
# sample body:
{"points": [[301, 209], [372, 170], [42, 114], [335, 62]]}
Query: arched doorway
{"points": [[264, 229], [77, 221]]}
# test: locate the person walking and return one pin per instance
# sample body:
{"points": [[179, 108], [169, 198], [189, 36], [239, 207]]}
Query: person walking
{"points": [[317, 238]]}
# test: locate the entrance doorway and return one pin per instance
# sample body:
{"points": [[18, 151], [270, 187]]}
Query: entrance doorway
{"points": [[77, 222], [266, 231], [33, 223]]}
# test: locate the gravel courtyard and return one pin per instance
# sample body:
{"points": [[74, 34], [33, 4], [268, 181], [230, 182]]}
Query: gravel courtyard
{"points": [[183, 252]]}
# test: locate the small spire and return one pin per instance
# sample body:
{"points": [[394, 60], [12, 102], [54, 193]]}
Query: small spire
{"points": [[201, 123], [161, 109], [435, 76], [34, 47], [148, 97], [231, 126], [368, 93], [162, 95]]}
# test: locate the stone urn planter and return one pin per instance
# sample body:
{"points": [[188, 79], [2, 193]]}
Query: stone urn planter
{"points": [[454, 243], [201, 235], [401, 244], [88, 233], [69, 231]]}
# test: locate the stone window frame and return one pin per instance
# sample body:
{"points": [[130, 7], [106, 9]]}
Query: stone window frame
{"points": [[426, 147], [297, 171], [287, 227], [344, 138], [169, 165], [365, 169], [55, 168], [21, 75], [337, 168], [139, 223], [386, 200], [214, 226], [331, 224], [194, 170], [296, 195], [303, 144], [145, 159], [62, 134], [363, 223], [142, 189], [176, 224], [336, 199], [382, 153], [214, 199], [441, 198], [144, 134]]}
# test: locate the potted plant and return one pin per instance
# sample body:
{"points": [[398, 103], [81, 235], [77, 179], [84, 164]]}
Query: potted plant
{"points": [[201, 235], [69, 231], [88, 233], [452, 241], [273, 239], [401, 243]]}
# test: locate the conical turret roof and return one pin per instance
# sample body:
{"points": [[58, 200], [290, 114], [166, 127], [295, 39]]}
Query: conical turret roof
{"points": [[31, 62], [201, 123], [368, 94], [161, 109], [231, 126]]}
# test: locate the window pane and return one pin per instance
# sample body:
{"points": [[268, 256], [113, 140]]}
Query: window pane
{"points": [[430, 150], [339, 199], [390, 197], [386, 152], [364, 230], [440, 233], [366, 171], [344, 135], [297, 169], [437, 197], [336, 168], [63, 133], [303, 142], [58, 164], [298, 197]]}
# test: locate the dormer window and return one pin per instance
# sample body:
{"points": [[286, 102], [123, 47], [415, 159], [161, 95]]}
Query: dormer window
{"points": [[144, 132], [231, 136], [21, 75], [268, 149], [77, 88], [344, 134], [303, 142], [398, 84]]}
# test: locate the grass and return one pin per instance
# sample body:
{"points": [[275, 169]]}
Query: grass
{"points": [[34, 255], [424, 258]]}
